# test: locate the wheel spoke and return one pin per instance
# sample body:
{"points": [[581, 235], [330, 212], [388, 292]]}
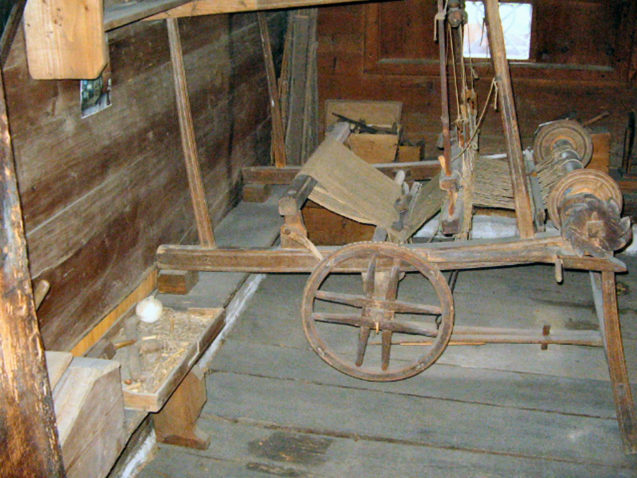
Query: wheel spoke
{"points": [[363, 337], [409, 327], [369, 278], [340, 298], [345, 319], [385, 349], [411, 308], [392, 288]]}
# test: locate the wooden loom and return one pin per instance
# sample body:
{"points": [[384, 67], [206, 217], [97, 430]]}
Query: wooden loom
{"points": [[583, 204]]}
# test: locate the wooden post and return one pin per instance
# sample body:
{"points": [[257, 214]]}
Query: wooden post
{"points": [[30, 445], [278, 136], [611, 333], [197, 193], [521, 198], [176, 422]]}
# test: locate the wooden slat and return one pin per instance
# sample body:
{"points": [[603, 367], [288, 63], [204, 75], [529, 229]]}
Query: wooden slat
{"points": [[213, 7], [65, 39], [417, 170], [187, 130], [30, 443], [124, 13]]}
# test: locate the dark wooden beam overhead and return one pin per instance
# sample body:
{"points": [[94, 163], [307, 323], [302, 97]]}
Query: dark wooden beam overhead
{"points": [[28, 432]]}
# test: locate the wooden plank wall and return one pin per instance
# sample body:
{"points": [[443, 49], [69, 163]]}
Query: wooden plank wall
{"points": [[100, 194], [355, 62]]}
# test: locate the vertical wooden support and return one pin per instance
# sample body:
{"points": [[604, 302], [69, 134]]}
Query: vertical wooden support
{"points": [[189, 146], [175, 423], [444, 87], [28, 433], [617, 364], [521, 198], [608, 315], [278, 137]]}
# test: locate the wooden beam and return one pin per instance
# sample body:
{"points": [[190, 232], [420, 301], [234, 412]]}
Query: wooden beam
{"points": [[214, 7], [121, 14], [187, 130], [447, 256], [521, 198], [30, 445], [65, 40], [417, 171]]}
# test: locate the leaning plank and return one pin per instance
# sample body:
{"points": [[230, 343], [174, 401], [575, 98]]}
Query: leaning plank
{"points": [[187, 130], [30, 444], [278, 132], [90, 412], [65, 39], [124, 13], [213, 7]]}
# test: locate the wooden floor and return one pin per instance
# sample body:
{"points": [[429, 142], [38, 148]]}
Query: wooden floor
{"points": [[275, 409]]}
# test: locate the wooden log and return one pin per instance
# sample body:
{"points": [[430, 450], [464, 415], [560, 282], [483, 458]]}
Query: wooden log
{"points": [[176, 422], [195, 182], [30, 442], [89, 407], [521, 198], [176, 282]]}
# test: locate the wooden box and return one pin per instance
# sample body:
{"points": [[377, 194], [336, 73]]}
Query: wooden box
{"points": [[325, 227]]}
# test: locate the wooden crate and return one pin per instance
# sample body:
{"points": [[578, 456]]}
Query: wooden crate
{"points": [[377, 113], [327, 228], [374, 148]]}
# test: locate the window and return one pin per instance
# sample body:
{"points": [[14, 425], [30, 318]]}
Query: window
{"points": [[516, 23]]}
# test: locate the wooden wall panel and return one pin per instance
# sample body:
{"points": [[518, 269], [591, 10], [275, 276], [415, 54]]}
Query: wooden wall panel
{"points": [[100, 194], [345, 73]]}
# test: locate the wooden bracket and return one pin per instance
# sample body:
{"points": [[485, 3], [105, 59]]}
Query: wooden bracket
{"points": [[65, 40], [175, 423]]}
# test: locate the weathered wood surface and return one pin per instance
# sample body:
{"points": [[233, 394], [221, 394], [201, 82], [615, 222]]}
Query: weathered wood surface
{"points": [[517, 170], [417, 170], [90, 414], [213, 7], [276, 408], [278, 130], [65, 39], [176, 282], [30, 441], [447, 256], [346, 44], [187, 133], [176, 422], [98, 198]]}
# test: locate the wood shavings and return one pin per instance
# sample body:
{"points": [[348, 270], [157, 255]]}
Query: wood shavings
{"points": [[175, 332]]}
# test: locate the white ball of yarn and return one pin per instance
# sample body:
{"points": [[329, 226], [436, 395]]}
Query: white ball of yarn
{"points": [[149, 309]]}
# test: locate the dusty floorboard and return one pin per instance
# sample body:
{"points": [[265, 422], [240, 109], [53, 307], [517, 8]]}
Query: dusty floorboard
{"points": [[275, 409]]}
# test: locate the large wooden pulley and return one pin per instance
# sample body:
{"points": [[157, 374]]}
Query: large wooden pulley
{"points": [[583, 181], [551, 136], [391, 325]]}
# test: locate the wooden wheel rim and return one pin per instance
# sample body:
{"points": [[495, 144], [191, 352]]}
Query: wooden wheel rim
{"points": [[569, 130], [387, 250]]}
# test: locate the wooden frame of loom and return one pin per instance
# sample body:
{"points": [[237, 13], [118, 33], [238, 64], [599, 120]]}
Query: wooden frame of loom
{"points": [[296, 254]]}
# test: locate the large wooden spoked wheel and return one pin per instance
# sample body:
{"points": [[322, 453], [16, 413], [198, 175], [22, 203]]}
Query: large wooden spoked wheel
{"points": [[339, 319]]}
